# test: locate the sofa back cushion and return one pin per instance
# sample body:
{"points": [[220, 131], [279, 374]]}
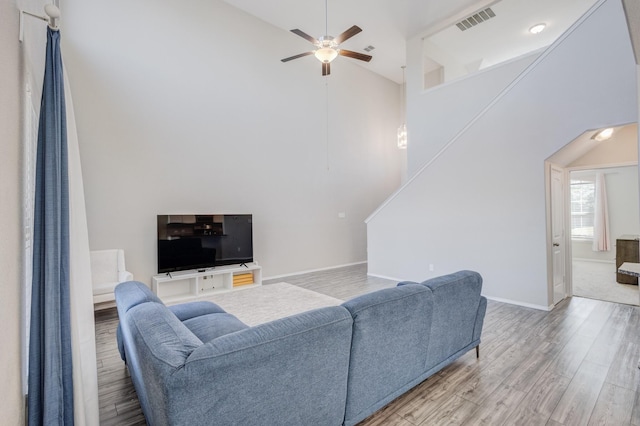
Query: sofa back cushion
{"points": [[291, 371], [455, 312], [391, 331]]}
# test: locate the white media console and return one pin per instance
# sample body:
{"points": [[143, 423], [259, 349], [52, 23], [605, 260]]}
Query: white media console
{"points": [[189, 285]]}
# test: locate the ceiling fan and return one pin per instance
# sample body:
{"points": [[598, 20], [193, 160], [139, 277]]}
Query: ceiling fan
{"points": [[328, 47]]}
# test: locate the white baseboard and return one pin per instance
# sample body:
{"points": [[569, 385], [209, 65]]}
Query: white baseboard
{"points": [[328, 268], [594, 260], [496, 299], [514, 302], [387, 278]]}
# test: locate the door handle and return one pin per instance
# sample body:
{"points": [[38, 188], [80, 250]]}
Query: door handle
{"points": [[556, 245]]}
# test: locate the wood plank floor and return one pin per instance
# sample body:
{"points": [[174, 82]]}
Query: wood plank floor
{"points": [[576, 365]]}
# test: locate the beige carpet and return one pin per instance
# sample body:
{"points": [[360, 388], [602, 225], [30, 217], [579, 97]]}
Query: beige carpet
{"points": [[268, 302], [597, 280]]}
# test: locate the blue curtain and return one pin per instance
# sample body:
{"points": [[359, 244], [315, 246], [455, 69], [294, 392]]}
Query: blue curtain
{"points": [[50, 400]]}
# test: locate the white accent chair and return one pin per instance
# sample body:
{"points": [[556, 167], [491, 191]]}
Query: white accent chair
{"points": [[107, 271]]}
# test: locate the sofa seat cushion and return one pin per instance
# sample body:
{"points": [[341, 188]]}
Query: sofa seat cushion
{"points": [[210, 326], [185, 311]]}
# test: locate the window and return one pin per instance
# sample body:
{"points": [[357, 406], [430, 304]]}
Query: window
{"points": [[583, 194]]}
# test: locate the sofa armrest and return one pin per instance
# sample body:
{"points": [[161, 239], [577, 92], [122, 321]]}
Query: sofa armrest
{"points": [[132, 293], [482, 309], [156, 345], [128, 295]]}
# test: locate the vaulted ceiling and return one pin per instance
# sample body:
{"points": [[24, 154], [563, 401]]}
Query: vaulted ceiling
{"points": [[388, 24]]}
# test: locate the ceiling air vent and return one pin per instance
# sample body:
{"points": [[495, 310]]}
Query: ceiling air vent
{"points": [[475, 19], [369, 48]]}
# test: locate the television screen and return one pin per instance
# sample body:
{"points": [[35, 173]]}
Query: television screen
{"points": [[203, 241]]}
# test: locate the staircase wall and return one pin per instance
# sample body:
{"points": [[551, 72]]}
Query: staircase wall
{"points": [[479, 203]]}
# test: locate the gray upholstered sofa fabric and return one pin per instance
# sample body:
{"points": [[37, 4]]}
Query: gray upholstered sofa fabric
{"points": [[195, 364], [291, 371], [391, 335], [436, 325], [458, 315]]}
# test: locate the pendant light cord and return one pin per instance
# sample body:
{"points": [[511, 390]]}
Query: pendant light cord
{"points": [[403, 97], [326, 80]]}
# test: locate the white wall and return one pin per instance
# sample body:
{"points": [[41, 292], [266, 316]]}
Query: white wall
{"points": [[452, 68], [12, 405], [435, 116], [185, 107], [481, 204]]}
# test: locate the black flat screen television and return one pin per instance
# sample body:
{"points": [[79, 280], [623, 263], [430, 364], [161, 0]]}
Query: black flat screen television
{"points": [[202, 241]]}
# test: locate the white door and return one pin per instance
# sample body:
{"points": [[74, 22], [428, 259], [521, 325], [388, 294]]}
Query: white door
{"points": [[557, 234]]}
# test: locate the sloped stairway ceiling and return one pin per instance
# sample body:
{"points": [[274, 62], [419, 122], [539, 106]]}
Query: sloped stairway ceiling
{"points": [[480, 203], [632, 9]]}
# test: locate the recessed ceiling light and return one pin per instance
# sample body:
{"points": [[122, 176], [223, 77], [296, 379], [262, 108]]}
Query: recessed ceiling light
{"points": [[603, 134], [537, 28]]}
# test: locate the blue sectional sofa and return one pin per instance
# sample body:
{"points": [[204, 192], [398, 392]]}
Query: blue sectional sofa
{"points": [[195, 364]]}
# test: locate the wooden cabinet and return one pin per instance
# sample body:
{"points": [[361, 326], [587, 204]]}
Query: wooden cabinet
{"points": [[627, 250]]}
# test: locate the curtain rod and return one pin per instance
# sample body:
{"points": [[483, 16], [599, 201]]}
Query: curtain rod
{"points": [[53, 14]]}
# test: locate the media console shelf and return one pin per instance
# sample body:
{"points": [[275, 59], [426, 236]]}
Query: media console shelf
{"points": [[189, 285]]}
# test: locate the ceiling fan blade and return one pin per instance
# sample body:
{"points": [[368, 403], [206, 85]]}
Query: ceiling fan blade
{"points": [[305, 36], [347, 34], [290, 58], [326, 68], [355, 55]]}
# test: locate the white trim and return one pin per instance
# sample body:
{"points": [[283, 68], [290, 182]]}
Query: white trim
{"points": [[490, 105], [328, 268], [526, 305], [482, 71], [607, 166], [388, 278], [495, 299], [582, 259]]}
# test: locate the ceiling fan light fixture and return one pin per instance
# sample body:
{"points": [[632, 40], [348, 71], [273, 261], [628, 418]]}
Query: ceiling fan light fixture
{"points": [[326, 54], [327, 48]]}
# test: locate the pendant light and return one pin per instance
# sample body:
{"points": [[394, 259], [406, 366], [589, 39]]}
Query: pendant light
{"points": [[402, 130]]}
